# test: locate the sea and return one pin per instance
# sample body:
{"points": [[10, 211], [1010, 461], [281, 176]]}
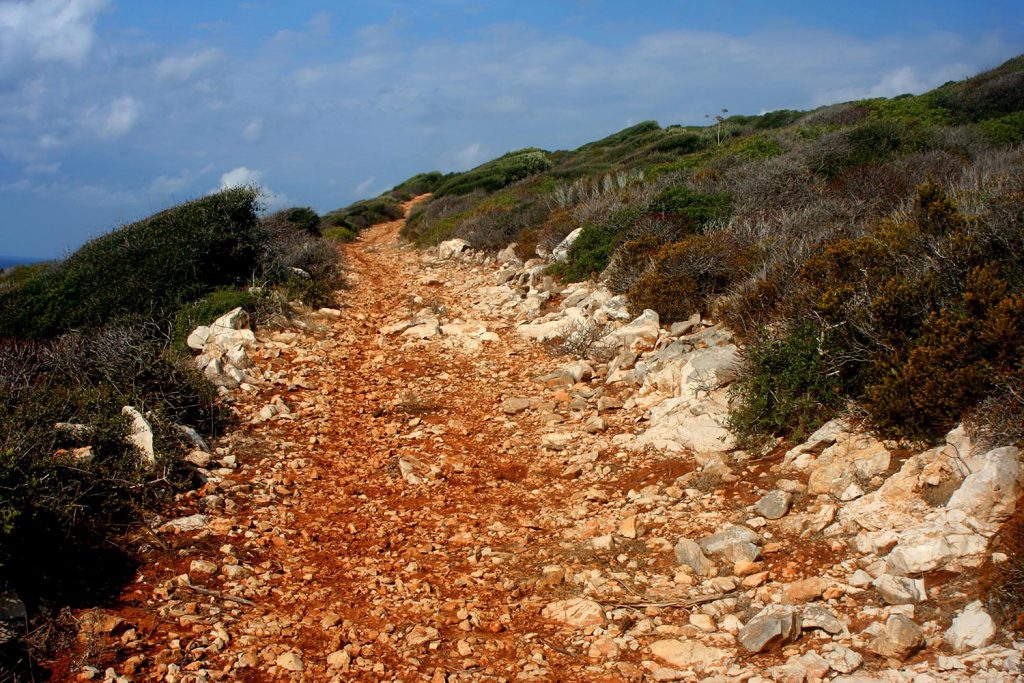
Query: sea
{"points": [[8, 261]]}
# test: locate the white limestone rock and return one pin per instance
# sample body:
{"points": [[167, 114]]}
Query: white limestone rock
{"points": [[971, 628]]}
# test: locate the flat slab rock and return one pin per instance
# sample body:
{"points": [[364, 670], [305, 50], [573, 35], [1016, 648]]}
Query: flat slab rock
{"points": [[687, 654], [576, 612]]}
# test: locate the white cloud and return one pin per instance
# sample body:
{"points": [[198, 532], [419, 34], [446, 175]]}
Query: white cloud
{"points": [[362, 188], [115, 119], [43, 168], [166, 185], [91, 194], [183, 67], [44, 31], [48, 141], [242, 176], [253, 130], [320, 24], [466, 158]]}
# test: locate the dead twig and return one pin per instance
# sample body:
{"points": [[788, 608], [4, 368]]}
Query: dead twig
{"points": [[558, 648]]}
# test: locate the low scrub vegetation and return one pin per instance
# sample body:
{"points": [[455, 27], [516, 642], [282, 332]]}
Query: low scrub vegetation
{"points": [[345, 224], [868, 252], [149, 268]]}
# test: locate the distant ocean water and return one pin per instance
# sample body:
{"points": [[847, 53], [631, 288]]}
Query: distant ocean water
{"points": [[8, 261]]}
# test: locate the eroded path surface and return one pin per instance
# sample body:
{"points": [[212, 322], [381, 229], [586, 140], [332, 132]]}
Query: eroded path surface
{"points": [[395, 524], [420, 493]]}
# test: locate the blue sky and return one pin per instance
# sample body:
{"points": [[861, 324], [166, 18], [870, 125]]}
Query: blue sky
{"points": [[113, 109]]}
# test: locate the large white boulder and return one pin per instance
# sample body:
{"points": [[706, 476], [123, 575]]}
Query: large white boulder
{"points": [[827, 434], [640, 334], [675, 427], [140, 435], [990, 492], [948, 540], [708, 369], [972, 628], [561, 252], [451, 249], [225, 332]]}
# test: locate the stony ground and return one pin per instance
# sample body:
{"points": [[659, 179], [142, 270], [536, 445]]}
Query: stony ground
{"points": [[404, 501]]}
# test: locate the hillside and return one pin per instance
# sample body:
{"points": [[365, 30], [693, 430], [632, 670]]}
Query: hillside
{"points": [[722, 402], [845, 244]]}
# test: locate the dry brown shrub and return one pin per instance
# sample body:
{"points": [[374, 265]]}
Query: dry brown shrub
{"points": [[782, 183], [844, 114]]}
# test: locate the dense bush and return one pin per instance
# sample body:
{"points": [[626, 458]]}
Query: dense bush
{"points": [[67, 496], [149, 268], [496, 174], [355, 218], [871, 141], [625, 136], [632, 260], [684, 276], [15, 276], [690, 207], [961, 354], [435, 222], [589, 254], [297, 218], [788, 387], [307, 269], [545, 236], [419, 184]]}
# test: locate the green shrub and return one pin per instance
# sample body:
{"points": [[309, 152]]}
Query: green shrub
{"points": [[436, 220], [625, 136], [61, 511], [988, 95], [871, 141], [1004, 130], [296, 218], [148, 268], [363, 214], [632, 260], [495, 174], [590, 253], [758, 147], [680, 142], [419, 184], [772, 119], [15, 276], [787, 388], [340, 233], [696, 208], [909, 108], [547, 235]]}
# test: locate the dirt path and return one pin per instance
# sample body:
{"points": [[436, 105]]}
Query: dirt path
{"points": [[418, 493], [395, 525]]}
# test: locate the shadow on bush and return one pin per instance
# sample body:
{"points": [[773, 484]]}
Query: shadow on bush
{"points": [[149, 268], [70, 485]]}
